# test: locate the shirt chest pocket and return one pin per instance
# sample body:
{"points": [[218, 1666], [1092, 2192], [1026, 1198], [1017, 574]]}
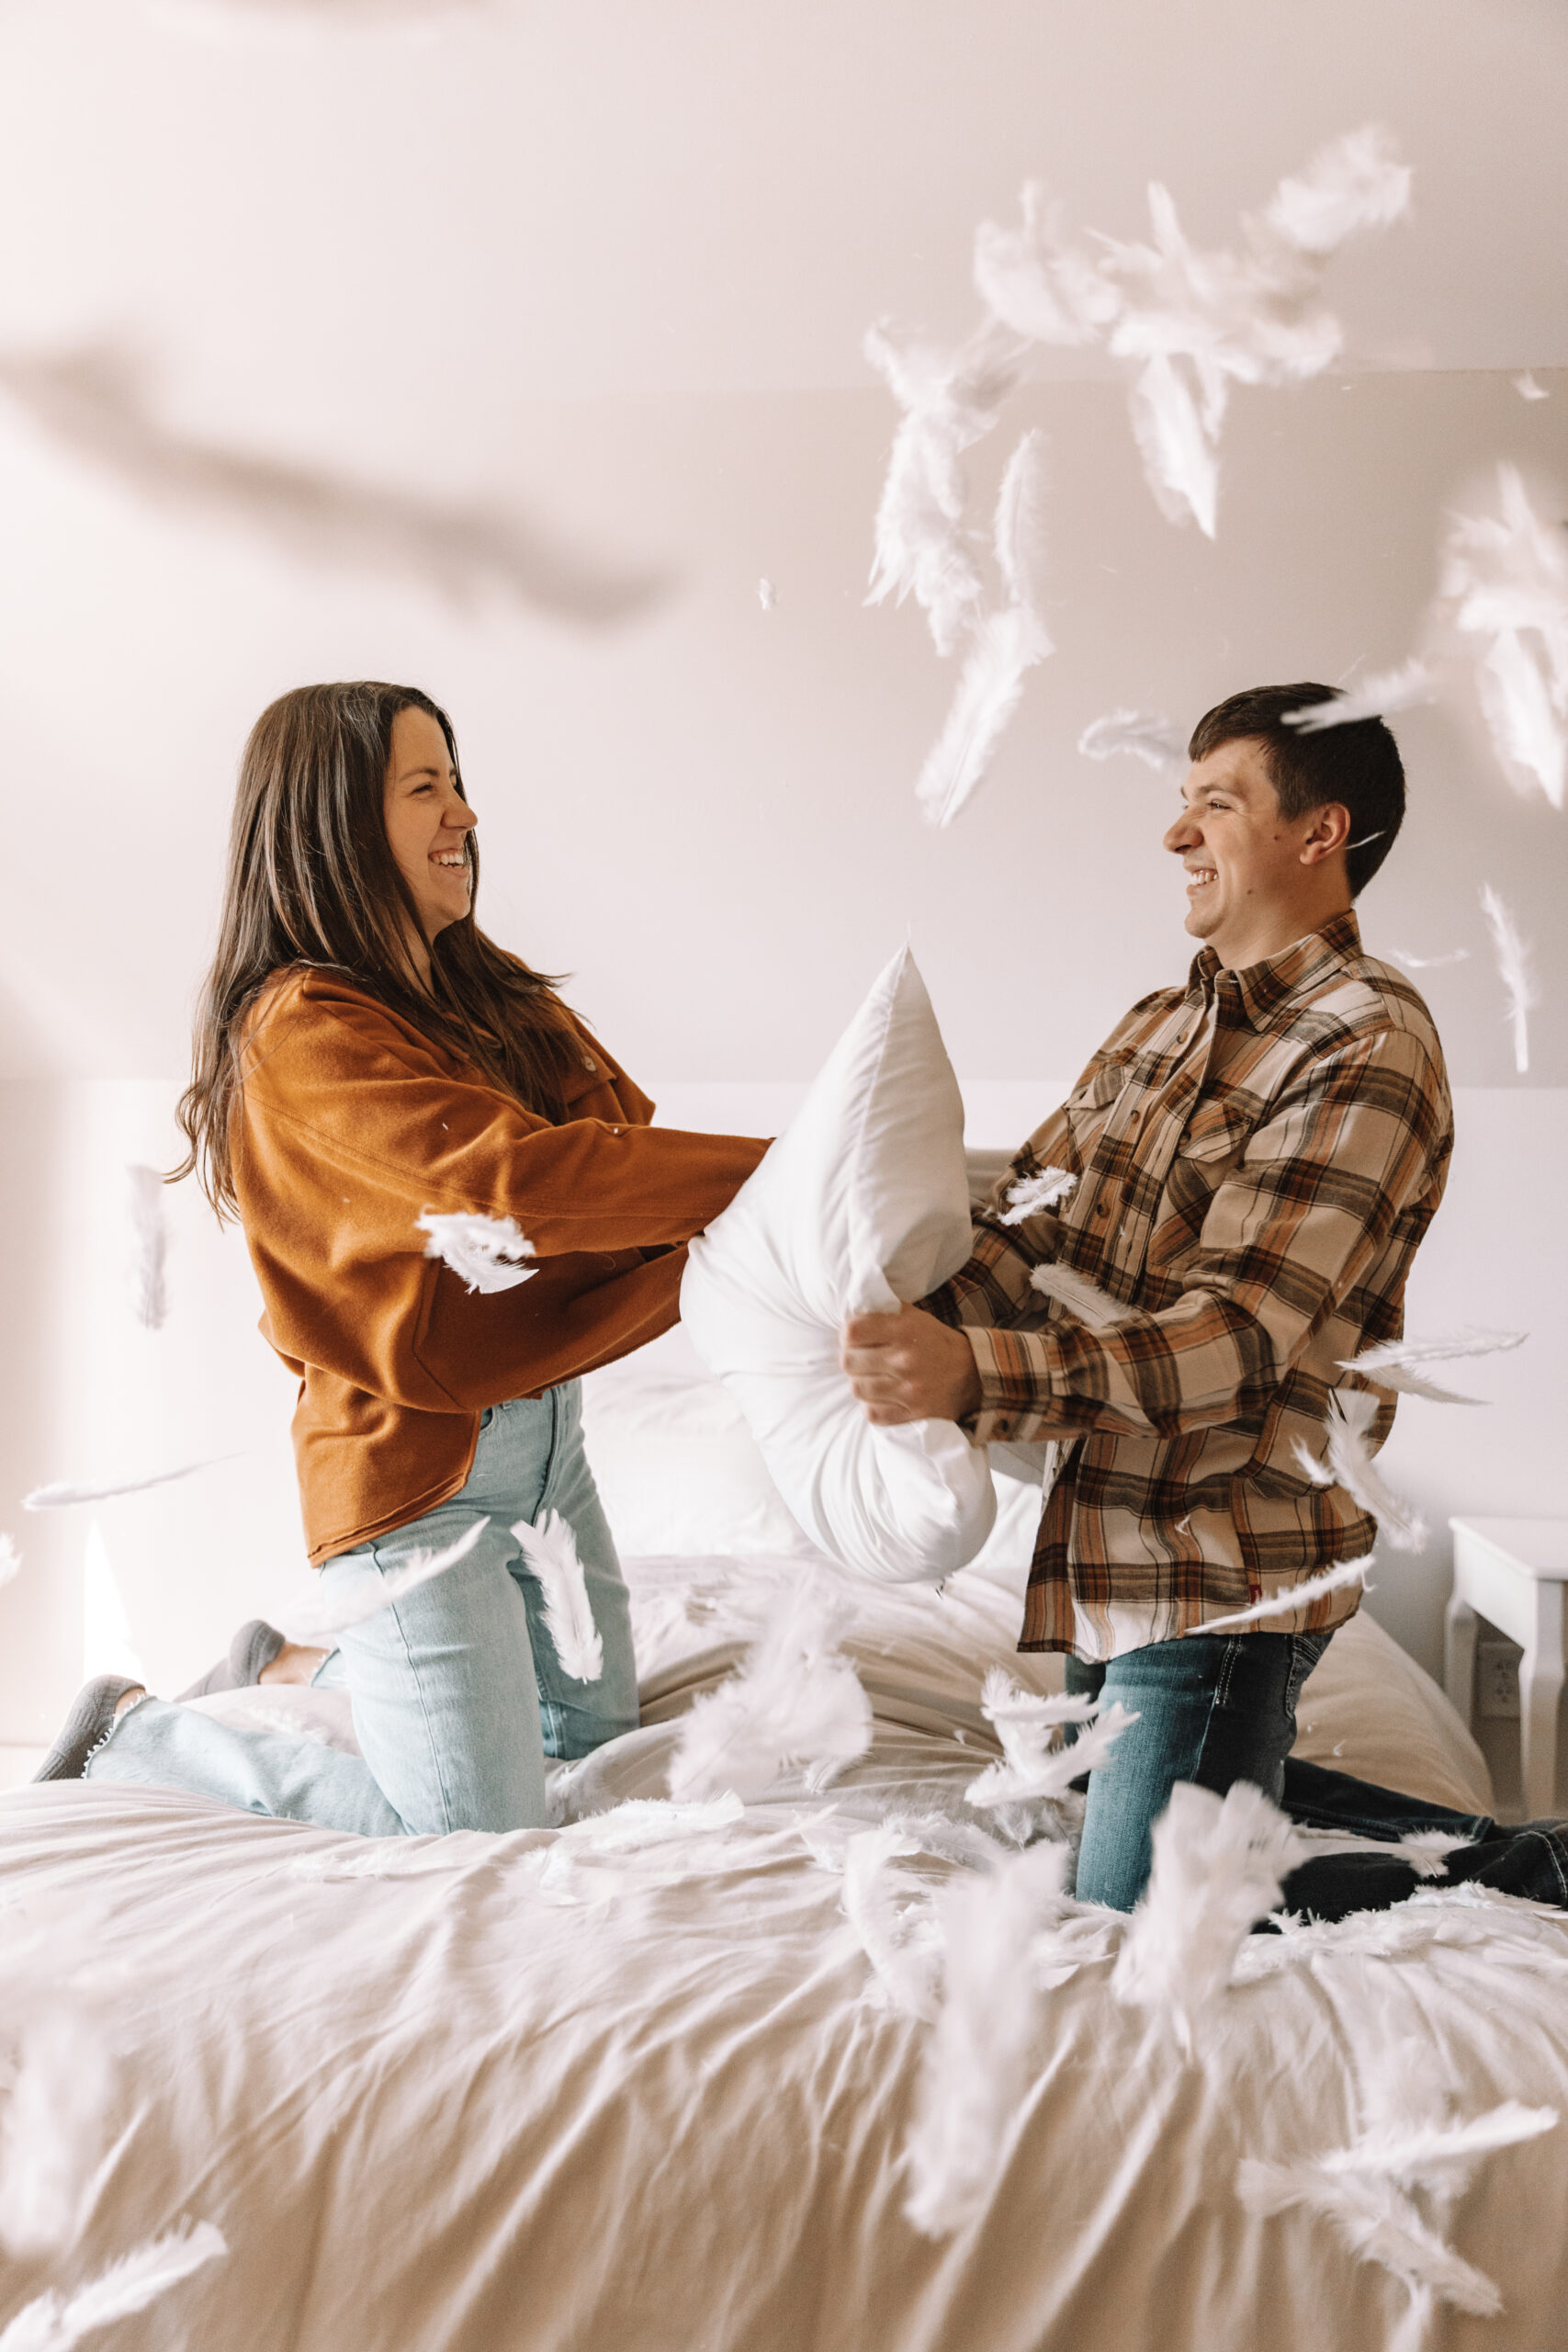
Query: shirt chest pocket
{"points": [[1214, 1136], [1090, 1113]]}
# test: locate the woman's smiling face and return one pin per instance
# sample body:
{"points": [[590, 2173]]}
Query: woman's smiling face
{"points": [[428, 821]]}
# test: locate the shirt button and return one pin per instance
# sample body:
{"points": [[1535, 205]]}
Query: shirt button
{"points": [[589, 1063]]}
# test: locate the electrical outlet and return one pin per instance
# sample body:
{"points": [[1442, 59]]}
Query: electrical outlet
{"points": [[1498, 1681]]}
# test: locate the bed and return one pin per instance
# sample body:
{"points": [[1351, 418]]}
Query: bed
{"points": [[596, 2085]]}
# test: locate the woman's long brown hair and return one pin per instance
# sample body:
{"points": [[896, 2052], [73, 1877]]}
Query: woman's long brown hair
{"points": [[311, 880]]}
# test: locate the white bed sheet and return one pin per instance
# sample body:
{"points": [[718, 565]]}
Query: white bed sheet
{"points": [[470, 2093]]}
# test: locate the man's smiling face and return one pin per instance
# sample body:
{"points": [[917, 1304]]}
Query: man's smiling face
{"points": [[1244, 860]]}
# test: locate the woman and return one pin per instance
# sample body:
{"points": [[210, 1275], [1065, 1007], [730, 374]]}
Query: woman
{"points": [[364, 1057]]}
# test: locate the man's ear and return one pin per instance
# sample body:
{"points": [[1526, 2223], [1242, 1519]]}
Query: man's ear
{"points": [[1329, 831]]}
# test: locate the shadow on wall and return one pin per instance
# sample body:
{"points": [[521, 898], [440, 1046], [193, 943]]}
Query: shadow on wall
{"points": [[93, 404]]}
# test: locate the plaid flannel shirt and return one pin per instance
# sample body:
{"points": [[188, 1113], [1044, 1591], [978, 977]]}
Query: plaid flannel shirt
{"points": [[1258, 1156]]}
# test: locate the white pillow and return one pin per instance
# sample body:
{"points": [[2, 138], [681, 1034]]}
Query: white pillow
{"points": [[862, 1203], [677, 1469]]}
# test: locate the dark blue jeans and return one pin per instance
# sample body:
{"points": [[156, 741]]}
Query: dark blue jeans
{"points": [[1213, 1708]]}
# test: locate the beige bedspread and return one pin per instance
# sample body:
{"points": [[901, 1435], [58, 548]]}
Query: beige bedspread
{"points": [[476, 2093]]}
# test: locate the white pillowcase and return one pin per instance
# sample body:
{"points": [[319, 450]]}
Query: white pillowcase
{"points": [[863, 1204]]}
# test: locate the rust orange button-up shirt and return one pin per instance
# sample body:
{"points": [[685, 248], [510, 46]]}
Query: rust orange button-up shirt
{"points": [[351, 1123]]}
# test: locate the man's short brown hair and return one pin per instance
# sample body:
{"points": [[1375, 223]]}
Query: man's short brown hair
{"points": [[1357, 765]]}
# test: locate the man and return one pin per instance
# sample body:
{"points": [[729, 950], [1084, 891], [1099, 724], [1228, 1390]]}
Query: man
{"points": [[1255, 1159]]}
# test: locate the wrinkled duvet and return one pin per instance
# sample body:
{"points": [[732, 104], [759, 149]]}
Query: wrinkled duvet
{"points": [[472, 2093]]}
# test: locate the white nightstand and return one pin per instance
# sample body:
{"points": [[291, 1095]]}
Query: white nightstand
{"points": [[1514, 1572]]}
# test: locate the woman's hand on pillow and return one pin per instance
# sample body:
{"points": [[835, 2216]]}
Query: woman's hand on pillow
{"points": [[909, 1367]]}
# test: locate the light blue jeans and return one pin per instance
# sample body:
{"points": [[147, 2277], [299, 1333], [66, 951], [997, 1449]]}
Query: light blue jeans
{"points": [[459, 1697]]}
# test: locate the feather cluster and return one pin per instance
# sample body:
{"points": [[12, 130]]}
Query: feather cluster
{"points": [[149, 1247], [797, 1704], [550, 1549], [1504, 590], [316, 1618], [60, 1496], [976, 2070], [1367, 2191], [1379, 697], [1294, 1597], [1514, 970], [1035, 1762], [1351, 1413], [949, 400], [1033, 1196], [93, 403], [1190, 324], [1392, 1363], [484, 1252], [1148, 735], [1218, 1865], [57, 2323], [1080, 1297]]}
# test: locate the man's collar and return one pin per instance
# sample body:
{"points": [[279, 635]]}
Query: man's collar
{"points": [[1261, 989]]}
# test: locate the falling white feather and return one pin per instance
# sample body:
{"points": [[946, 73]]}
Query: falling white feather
{"points": [[1365, 2190], [1505, 588], [57, 2323], [1351, 1413], [309, 1620], [1178, 446], [883, 1905], [55, 2124], [796, 1702], [1391, 1363], [1428, 963], [550, 1549], [483, 1250], [150, 1247], [1355, 184], [1004, 646], [61, 1496], [1528, 389], [1513, 954], [1033, 1196], [93, 400], [1337, 1579], [767, 594], [975, 2073], [1425, 1851], [1034, 1763], [1080, 1297], [1218, 1865], [1378, 696], [1018, 534], [10, 1559], [654, 1821], [1148, 735], [1038, 285]]}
